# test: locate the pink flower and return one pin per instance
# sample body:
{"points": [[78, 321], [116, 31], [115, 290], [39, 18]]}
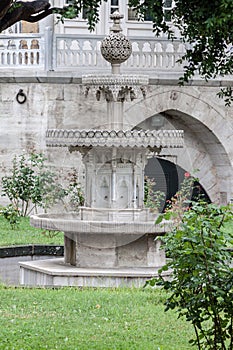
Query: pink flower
{"points": [[186, 174]]}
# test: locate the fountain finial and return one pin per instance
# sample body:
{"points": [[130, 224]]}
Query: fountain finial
{"points": [[116, 87], [116, 17], [116, 48]]}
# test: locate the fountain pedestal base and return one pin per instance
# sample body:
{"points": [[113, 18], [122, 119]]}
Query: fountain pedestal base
{"points": [[113, 250], [55, 273]]}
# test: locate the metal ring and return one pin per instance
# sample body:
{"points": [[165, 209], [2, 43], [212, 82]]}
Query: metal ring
{"points": [[21, 97]]}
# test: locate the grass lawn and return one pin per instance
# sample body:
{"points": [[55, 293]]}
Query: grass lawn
{"points": [[25, 234], [85, 319]]}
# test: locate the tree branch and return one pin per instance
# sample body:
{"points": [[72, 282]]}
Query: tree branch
{"points": [[28, 11], [4, 7]]}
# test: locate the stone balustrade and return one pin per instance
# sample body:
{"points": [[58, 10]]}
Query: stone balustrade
{"points": [[66, 52], [22, 50]]}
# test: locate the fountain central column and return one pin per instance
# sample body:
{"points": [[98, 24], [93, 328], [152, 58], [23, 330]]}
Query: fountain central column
{"points": [[119, 166]]}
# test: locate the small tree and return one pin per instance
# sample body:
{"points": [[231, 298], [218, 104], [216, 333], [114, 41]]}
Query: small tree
{"points": [[201, 287], [31, 184]]}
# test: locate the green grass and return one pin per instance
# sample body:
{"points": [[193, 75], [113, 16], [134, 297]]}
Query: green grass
{"points": [[25, 234], [85, 319]]}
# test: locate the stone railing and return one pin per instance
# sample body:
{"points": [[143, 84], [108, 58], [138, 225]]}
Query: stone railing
{"points": [[22, 50], [68, 52]]}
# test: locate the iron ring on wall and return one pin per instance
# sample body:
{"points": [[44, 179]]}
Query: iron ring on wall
{"points": [[21, 97]]}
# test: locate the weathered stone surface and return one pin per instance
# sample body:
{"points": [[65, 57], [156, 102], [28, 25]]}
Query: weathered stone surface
{"points": [[55, 273], [24, 126], [11, 256]]}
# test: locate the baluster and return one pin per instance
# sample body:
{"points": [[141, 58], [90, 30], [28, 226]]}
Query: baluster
{"points": [[152, 46], [68, 53], [99, 57], [77, 54], [140, 55], [17, 63], [63, 52], [94, 49], [147, 54], [82, 53], [170, 55], [60, 52], [180, 53], [159, 55], [3, 58], [92, 53], [47, 49], [163, 57], [88, 50]]}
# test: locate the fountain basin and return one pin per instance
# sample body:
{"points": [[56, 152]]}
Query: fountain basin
{"points": [[107, 237], [99, 221]]}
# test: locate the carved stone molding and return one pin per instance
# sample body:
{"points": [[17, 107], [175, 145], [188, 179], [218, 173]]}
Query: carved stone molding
{"points": [[117, 87], [86, 139]]}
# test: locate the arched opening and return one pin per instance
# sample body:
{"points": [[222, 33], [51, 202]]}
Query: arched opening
{"points": [[168, 178], [207, 136]]}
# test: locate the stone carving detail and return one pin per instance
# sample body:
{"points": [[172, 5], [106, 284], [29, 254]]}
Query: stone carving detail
{"points": [[117, 87], [116, 48], [86, 139]]}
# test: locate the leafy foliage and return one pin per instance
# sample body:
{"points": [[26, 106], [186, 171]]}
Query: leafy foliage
{"points": [[11, 214], [90, 7], [32, 184], [75, 197], [207, 29], [202, 280], [152, 199]]}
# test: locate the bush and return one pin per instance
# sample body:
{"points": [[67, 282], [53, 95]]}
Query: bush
{"points": [[152, 199], [201, 286], [32, 184], [11, 214]]}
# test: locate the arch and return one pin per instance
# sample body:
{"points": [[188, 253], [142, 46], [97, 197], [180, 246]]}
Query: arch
{"points": [[208, 136], [168, 178]]}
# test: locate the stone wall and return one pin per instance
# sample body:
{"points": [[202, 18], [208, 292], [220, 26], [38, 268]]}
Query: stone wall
{"points": [[57, 101]]}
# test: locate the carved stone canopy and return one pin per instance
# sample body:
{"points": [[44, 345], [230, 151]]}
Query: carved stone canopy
{"points": [[116, 87], [111, 138]]}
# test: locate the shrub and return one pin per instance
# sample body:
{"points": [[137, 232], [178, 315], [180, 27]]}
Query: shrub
{"points": [[201, 286], [32, 184], [11, 214], [152, 199]]}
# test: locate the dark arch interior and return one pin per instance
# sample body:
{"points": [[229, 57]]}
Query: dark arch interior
{"points": [[169, 177]]}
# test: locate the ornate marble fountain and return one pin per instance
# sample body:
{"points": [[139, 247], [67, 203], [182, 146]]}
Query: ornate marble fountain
{"points": [[111, 241]]}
